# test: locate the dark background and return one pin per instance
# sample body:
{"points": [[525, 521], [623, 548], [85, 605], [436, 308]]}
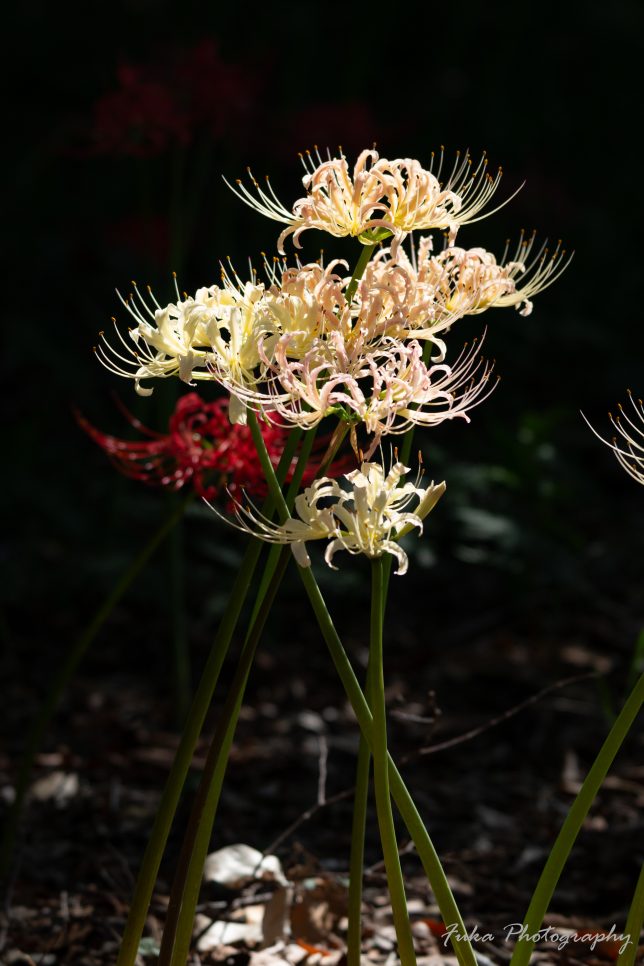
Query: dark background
{"points": [[540, 532], [106, 185]]}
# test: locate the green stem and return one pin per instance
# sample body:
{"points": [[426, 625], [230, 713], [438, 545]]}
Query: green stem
{"points": [[633, 925], [572, 825], [381, 774], [292, 492], [184, 895], [408, 811], [356, 861], [404, 455], [358, 272], [63, 677], [180, 649], [201, 702], [185, 888]]}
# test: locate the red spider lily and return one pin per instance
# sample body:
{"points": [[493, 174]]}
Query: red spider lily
{"points": [[201, 448], [140, 119], [164, 102], [217, 94]]}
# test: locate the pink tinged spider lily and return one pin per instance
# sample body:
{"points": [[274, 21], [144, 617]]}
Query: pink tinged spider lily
{"points": [[365, 513], [380, 198], [474, 281], [388, 388]]}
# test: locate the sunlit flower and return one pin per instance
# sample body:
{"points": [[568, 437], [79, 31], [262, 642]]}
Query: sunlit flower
{"points": [[387, 388], [304, 303], [216, 331], [380, 198], [473, 281], [629, 449], [406, 298], [369, 516], [202, 449]]}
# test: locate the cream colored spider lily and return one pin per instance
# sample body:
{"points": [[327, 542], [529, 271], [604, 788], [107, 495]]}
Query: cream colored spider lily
{"points": [[369, 516], [379, 198], [629, 450], [306, 302], [166, 341], [209, 336]]}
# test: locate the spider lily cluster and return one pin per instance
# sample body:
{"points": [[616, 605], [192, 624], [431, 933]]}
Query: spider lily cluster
{"points": [[306, 341], [294, 345]]}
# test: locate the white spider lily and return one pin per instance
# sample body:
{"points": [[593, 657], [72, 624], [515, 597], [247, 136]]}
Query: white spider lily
{"points": [[167, 341], [629, 450], [212, 335], [380, 197], [368, 516]]}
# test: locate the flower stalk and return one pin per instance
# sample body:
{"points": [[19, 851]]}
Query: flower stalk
{"points": [[381, 772], [184, 895], [404, 802], [634, 922], [201, 702], [356, 861]]}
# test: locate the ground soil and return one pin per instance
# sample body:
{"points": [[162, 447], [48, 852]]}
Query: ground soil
{"points": [[493, 786]]}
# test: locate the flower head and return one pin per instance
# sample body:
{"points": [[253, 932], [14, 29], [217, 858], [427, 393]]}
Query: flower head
{"points": [[215, 331], [629, 449], [473, 281], [379, 198], [201, 448], [368, 515], [387, 387]]}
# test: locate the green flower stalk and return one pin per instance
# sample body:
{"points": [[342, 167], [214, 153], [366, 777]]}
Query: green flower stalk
{"points": [[381, 772], [408, 811], [572, 825], [201, 702]]}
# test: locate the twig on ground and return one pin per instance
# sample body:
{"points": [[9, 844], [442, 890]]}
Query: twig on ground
{"points": [[498, 719]]}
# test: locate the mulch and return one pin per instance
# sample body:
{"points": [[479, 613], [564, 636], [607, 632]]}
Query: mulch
{"points": [[493, 764]]}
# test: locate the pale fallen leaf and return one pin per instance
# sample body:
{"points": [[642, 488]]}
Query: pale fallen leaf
{"points": [[59, 786], [273, 956], [220, 932], [234, 865]]}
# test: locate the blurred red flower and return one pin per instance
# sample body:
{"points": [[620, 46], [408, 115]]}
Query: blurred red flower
{"points": [[140, 119], [201, 448], [164, 103]]}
